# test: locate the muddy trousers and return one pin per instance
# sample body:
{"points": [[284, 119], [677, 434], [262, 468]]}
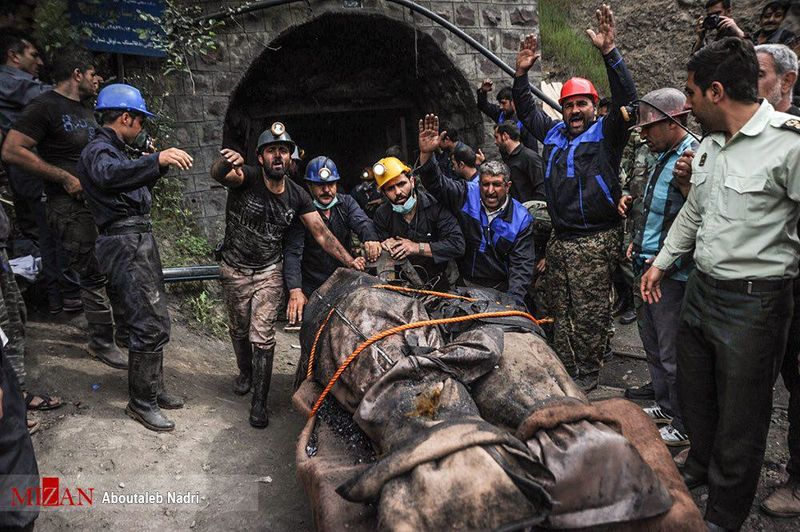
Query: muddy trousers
{"points": [[72, 225], [579, 273], [12, 319], [730, 352], [791, 379], [133, 266]]}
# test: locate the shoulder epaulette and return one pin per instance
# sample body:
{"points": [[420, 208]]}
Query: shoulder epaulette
{"points": [[793, 124]]}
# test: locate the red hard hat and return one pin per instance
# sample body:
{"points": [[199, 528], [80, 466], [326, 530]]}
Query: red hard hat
{"points": [[578, 87]]}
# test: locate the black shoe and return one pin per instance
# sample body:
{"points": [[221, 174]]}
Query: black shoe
{"points": [[627, 317], [168, 401], [102, 346], [72, 304], [262, 375], [243, 350], [143, 381], [693, 481], [644, 392]]}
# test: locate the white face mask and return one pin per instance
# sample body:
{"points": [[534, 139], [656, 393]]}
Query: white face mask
{"points": [[406, 207]]}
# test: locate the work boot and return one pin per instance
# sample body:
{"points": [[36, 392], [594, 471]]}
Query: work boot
{"points": [[645, 392], [102, 347], [244, 359], [143, 381], [168, 401], [262, 374], [784, 501]]}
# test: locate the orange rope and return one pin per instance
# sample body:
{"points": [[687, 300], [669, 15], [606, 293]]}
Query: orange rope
{"points": [[400, 328], [311, 355], [426, 292]]}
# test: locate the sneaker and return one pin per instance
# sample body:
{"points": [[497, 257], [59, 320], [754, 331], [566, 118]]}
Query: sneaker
{"points": [[673, 437], [784, 501], [627, 317], [658, 416], [641, 393]]}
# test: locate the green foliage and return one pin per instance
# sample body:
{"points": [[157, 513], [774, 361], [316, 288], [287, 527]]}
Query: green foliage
{"points": [[567, 48], [53, 29], [183, 35], [205, 308]]}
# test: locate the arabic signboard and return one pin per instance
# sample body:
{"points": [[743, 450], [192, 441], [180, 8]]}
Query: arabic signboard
{"points": [[116, 26]]}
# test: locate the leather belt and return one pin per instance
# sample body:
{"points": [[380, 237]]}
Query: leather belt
{"points": [[744, 286], [127, 226]]}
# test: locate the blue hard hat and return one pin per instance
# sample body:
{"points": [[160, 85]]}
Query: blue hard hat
{"points": [[119, 96], [322, 170]]}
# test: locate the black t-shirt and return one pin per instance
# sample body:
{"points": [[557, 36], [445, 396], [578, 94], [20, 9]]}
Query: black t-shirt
{"points": [[257, 220], [61, 127]]}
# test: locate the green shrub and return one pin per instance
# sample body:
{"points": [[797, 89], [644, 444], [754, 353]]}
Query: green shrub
{"points": [[566, 48]]}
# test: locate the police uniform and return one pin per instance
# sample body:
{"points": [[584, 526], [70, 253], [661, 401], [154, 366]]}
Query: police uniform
{"points": [[741, 219], [117, 190]]}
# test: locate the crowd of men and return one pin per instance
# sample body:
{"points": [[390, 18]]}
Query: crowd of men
{"points": [[693, 231]]}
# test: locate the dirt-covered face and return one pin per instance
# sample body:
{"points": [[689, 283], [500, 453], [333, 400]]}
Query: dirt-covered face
{"points": [[399, 189], [323, 192], [275, 159], [578, 113]]}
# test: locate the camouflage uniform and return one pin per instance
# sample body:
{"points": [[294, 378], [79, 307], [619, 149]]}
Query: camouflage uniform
{"points": [[580, 308], [643, 161], [12, 319]]}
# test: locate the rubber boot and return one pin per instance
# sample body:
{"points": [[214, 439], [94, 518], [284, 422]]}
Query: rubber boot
{"points": [[244, 359], [143, 379], [121, 334], [169, 401], [102, 346], [262, 375]]}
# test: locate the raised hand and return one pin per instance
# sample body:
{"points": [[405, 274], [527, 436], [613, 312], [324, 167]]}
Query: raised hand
{"points": [[528, 54], [429, 137], [175, 157], [486, 86], [603, 38], [234, 158]]}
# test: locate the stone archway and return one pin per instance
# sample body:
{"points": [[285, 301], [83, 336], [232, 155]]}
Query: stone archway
{"points": [[347, 86]]}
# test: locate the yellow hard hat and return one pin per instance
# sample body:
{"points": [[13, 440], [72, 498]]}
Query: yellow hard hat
{"points": [[387, 169]]}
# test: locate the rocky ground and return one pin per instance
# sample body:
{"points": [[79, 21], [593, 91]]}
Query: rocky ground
{"points": [[240, 478]]}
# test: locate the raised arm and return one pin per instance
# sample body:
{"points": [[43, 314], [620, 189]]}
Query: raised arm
{"points": [[534, 119], [18, 150], [448, 192], [227, 170], [489, 109], [623, 89]]}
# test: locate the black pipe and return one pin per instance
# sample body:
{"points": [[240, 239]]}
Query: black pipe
{"points": [[191, 273], [264, 4]]}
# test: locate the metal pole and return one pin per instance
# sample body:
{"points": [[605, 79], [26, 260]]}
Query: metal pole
{"points": [[458, 32]]}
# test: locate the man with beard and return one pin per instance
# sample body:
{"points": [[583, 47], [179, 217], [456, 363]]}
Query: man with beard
{"points": [[498, 230], [413, 225], [777, 73], [504, 111], [307, 265], [118, 192], [770, 32], [263, 201], [582, 158], [740, 218], [524, 163], [47, 141], [465, 163]]}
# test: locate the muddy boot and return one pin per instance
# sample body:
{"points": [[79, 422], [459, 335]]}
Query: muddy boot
{"points": [[102, 346], [244, 359], [143, 380], [168, 401], [262, 374]]}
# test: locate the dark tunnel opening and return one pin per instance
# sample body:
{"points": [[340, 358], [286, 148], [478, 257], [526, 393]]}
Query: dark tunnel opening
{"points": [[348, 86]]}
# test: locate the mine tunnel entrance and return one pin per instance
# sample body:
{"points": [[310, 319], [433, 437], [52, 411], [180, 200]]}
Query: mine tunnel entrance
{"points": [[348, 86]]}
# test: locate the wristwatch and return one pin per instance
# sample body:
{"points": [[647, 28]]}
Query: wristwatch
{"points": [[421, 248]]}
